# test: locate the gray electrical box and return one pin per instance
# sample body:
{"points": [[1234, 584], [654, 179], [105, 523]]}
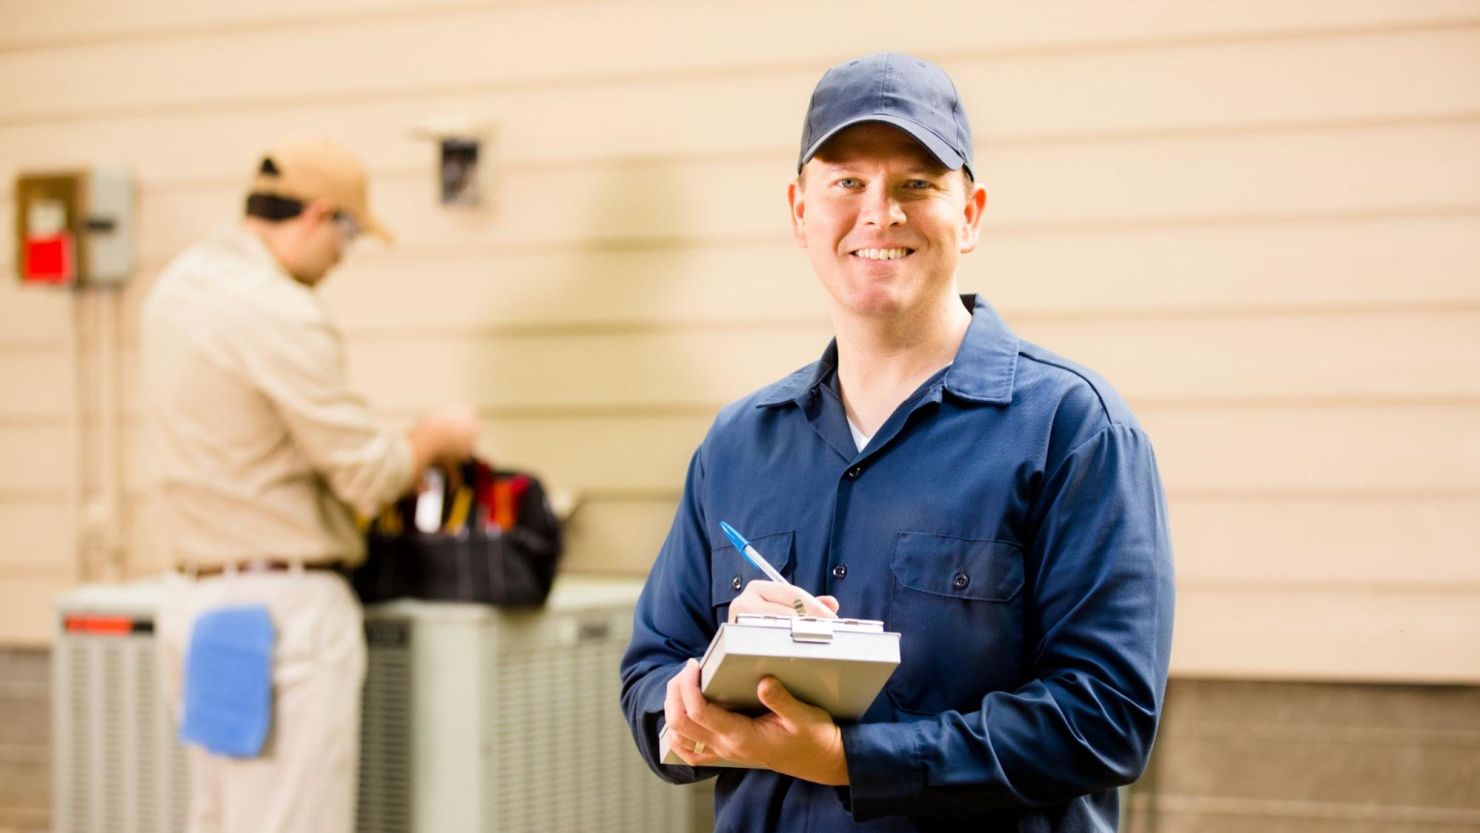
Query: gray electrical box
{"points": [[75, 228]]}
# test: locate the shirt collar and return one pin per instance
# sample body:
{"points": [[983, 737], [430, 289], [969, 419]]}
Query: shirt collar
{"points": [[986, 362], [983, 370], [802, 383], [249, 245]]}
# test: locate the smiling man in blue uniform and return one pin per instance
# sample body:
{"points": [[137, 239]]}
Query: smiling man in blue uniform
{"points": [[995, 504]]}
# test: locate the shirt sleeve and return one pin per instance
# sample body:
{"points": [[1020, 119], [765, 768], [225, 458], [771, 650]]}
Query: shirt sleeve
{"points": [[298, 363], [672, 623], [1101, 607]]}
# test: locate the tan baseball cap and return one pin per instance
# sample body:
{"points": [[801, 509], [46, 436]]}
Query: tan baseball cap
{"points": [[313, 169]]}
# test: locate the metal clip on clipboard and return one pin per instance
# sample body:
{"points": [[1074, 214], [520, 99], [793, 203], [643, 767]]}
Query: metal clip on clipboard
{"points": [[808, 629]]}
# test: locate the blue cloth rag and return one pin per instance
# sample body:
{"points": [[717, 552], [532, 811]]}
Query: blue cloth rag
{"points": [[228, 681]]}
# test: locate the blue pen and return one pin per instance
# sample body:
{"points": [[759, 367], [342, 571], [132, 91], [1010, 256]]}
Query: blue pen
{"points": [[764, 566]]}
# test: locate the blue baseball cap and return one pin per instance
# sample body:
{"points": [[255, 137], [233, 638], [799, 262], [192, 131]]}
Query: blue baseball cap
{"points": [[911, 94]]}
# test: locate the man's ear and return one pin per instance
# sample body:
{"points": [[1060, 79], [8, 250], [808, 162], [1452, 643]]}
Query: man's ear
{"points": [[798, 205], [319, 211], [971, 226]]}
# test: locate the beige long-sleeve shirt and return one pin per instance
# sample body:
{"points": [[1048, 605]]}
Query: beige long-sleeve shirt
{"points": [[259, 447]]}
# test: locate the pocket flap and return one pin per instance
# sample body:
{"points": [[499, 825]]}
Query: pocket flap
{"points": [[961, 568], [730, 570]]}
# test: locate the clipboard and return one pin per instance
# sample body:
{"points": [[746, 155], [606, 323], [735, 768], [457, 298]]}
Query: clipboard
{"points": [[837, 665]]}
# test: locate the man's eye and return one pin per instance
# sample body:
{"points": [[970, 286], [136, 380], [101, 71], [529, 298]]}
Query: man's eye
{"points": [[849, 182], [919, 184]]}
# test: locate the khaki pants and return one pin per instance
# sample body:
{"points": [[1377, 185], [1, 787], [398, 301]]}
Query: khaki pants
{"points": [[304, 779]]}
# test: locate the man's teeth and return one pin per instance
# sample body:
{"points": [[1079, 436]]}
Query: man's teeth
{"points": [[882, 254]]}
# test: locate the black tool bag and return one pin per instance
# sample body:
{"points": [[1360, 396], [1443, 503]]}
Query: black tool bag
{"points": [[499, 543]]}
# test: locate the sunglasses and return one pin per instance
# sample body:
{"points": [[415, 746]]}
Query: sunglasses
{"points": [[348, 228]]}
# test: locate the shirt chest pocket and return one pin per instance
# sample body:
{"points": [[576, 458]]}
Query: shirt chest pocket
{"points": [[958, 606], [730, 571]]}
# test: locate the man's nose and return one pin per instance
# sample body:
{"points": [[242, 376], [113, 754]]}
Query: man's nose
{"points": [[881, 208]]}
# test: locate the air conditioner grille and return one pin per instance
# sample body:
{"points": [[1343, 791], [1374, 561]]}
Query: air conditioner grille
{"points": [[385, 734], [563, 759], [117, 765]]}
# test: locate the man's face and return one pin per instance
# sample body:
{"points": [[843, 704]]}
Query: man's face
{"points": [[321, 243], [883, 222]]}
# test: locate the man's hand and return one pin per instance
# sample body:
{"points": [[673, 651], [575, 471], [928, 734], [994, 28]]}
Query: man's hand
{"points": [[793, 738], [775, 599], [446, 437]]}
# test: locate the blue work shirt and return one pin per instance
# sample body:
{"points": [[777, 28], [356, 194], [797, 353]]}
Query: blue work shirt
{"points": [[1007, 520]]}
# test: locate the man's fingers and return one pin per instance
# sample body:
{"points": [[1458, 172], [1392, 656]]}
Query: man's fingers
{"points": [[772, 598], [678, 702], [774, 696], [684, 732], [688, 674], [690, 751], [830, 601], [764, 598], [761, 607], [700, 753], [702, 720], [693, 700], [812, 606], [778, 594]]}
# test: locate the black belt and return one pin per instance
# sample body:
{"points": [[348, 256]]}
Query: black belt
{"points": [[264, 566]]}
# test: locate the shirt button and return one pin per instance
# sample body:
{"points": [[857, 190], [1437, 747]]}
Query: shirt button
{"points": [[960, 581], [852, 474], [736, 583], [840, 571]]}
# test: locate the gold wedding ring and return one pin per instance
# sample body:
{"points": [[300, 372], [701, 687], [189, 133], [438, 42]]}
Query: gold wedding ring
{"points": [[698, 747]]}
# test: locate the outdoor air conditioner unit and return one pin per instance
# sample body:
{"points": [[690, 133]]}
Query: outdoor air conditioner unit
{"points": [[116, 766], [475, 719]]}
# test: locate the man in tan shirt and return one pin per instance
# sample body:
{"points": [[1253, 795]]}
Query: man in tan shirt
{"points": [[263, 456]]}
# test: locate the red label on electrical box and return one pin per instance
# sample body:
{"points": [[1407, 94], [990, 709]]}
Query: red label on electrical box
{"points": [[49, 259]]}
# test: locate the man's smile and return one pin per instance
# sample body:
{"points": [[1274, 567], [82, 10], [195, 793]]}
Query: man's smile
{"points": [[883, 254]]}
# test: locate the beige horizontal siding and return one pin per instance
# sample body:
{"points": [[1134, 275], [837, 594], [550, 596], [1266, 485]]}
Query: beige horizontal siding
{"points": [[1206, 451], [1359, 355], [1102, 185], [1336, 264], [1323, 80], [1331, 544], [26, 599], [1300, 357], [1249, 486], [63, 22], [37, 530], [551, 44], [34, 384], [1305, 359], [30, 318], [1333, 633], [69, 22], [1332, 540], [1220, 460], [29, 458], [1333, 264], [1242, 453]]}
